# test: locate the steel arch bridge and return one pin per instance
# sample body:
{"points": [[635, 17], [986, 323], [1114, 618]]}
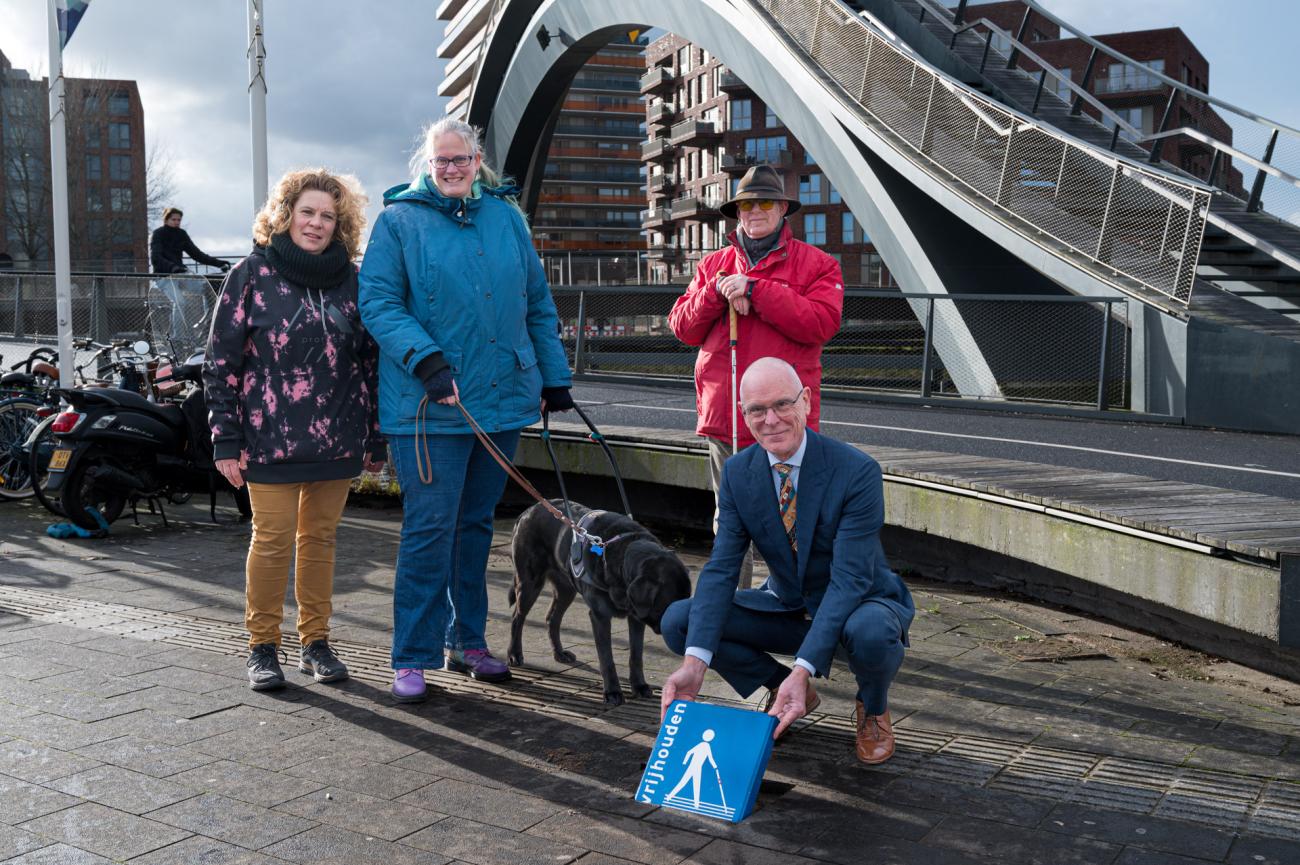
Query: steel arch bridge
{"points": [[942, 177]]}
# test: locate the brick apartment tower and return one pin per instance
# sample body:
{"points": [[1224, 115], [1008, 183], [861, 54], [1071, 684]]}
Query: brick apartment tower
{"points": [[592, 192], [107, 202]]}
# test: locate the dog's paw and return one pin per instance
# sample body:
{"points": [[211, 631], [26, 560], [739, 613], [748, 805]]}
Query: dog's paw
{"points": [[643, 690], [515, 659], [613, 698], [564, 656]]}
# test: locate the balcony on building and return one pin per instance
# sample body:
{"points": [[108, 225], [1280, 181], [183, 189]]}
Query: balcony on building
{"points": [[739, 163], [661, 183], [694, 132], [730, 82], [694, 207], [661, 114], [655, 216], [653, 151], [658, 79], [663, 251]]}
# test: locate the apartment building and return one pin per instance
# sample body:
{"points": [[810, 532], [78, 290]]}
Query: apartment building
{"points": [[107, 200]]}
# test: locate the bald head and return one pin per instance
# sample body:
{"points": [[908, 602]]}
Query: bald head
{"points": [[776, 405], [767, 371]]}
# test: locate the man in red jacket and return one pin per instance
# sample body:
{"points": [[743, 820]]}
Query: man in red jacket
{"points": [[788, 296]]}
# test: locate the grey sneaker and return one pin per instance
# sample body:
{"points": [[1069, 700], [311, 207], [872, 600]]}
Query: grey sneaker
{"points": [[319, 660], [264, 673]]}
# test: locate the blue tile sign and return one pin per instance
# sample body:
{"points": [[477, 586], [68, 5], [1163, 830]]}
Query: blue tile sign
{"points": [[708, 760]]}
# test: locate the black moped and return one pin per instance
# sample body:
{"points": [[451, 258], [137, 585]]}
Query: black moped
{"points": [[114, 447]]}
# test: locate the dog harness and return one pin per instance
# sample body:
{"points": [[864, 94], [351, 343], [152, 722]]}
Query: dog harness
{"points": [[586, 547]]}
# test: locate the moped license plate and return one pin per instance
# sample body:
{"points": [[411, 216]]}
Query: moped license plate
{"points": [[59, 459]]}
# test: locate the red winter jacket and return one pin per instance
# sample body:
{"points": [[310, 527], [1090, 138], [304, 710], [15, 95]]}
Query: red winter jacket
{"points": [[797, 300]]}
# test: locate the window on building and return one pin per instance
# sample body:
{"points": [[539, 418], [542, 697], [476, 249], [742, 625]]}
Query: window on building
{"points": [[91, 104], [119, 103], [766, 149], [808, 158], [847, 226], [814, 228], [832, 194], [119, 135], [741, 117], [94, 167], [770, 118], [810, 189], [683, 60], [92, 136], [121, 233], [94, 199], [119, 168], [1063, 91], [1133, 116]]}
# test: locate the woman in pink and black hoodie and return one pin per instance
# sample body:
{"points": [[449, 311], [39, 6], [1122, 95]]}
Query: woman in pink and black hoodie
{"points": [[291, 380]]}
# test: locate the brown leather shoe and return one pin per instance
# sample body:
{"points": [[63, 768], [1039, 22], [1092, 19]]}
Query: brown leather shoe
{"points": [[875, 742]]}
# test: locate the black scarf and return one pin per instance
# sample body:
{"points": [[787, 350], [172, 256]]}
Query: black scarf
{"points": [[321, 272], [757, 250]]}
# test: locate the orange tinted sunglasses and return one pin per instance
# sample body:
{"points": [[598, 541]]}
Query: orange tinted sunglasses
{"points": [[747, 206]]}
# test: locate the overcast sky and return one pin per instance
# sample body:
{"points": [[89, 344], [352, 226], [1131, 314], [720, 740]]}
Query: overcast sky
{"points": [[352, 82]]}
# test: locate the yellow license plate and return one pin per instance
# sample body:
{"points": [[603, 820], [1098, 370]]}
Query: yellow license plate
{"points": [[59, 459]]}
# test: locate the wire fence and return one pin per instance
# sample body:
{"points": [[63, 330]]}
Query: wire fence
{"points": [[172, 313], [1060, 350]]}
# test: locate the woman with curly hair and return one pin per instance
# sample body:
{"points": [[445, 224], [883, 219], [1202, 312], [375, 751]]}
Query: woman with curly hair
{"points": [[291, 379]]}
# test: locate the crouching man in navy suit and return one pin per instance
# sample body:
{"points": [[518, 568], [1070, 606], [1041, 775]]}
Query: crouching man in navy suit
{"points": [[814, 507]]}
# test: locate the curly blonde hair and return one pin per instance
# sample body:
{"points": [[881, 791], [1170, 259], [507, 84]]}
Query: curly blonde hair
{"points": [[349, 201]]}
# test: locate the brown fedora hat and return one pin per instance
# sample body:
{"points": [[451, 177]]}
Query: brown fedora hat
{"points": [[760, 183]]}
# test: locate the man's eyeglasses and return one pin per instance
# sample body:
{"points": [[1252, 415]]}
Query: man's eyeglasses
{"points": [[462, 161], [784, 408], [747, 206]]}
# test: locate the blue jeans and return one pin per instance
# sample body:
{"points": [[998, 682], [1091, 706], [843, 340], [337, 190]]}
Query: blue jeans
{"points": [[872, 639], [440, 590]]}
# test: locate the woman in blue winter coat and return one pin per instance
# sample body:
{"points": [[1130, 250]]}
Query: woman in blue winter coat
{"points": [[454, 294]]}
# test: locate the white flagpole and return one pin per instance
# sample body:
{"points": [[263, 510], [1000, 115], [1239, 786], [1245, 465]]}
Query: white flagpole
{"points": [[59, 194], [257, 101]]}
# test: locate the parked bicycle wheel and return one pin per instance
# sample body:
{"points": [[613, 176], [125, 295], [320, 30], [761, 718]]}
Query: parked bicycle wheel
{"points": [[18, 418], [39, 447]]}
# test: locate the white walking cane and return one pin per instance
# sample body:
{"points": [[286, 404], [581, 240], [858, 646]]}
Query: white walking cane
{"points": [[734, 321]]}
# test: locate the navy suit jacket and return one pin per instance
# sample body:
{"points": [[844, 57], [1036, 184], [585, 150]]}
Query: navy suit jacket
{"points": [[840, 509]]}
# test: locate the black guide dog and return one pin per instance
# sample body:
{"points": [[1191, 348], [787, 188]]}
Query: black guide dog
{"points": [[635, 577]]}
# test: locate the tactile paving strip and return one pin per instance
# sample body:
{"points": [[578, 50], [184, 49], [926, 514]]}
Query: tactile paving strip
{"points": [[1238, 802]]}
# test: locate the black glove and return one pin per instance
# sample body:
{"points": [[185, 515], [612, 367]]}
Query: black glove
{"points": [[557, 399], [225, 265], [435, 373]]}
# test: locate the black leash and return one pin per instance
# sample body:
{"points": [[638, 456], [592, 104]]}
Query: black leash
{"points": [[595, 435]]}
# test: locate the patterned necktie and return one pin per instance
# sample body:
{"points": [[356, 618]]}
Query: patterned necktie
{"points": [[787, 502]]}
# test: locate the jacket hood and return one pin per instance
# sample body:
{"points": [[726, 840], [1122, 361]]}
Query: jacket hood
{"points": [[424, 191]]}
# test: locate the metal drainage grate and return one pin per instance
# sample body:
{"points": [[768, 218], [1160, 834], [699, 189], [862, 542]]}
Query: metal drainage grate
{"points": [[1240, 802]]}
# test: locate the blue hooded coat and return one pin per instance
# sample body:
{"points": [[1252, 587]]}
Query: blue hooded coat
{"points": [[459, 276]]}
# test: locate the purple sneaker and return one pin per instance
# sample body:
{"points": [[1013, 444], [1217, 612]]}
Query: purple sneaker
{"points": [[408, 686], [479, 664]]}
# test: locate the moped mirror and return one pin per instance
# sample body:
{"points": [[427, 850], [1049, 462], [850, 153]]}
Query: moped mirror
{"points": [[140, 347]]}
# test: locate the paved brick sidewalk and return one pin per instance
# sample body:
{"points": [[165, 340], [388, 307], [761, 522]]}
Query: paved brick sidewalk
{"points": [[1026, 735]]}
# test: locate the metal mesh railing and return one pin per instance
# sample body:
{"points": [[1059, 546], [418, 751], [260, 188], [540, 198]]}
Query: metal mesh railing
{"points": [[172, 313], [1114, 217], [1062, 350]]}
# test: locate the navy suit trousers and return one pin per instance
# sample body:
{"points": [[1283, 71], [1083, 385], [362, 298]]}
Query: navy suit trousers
{"points": [[872, 639]]}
